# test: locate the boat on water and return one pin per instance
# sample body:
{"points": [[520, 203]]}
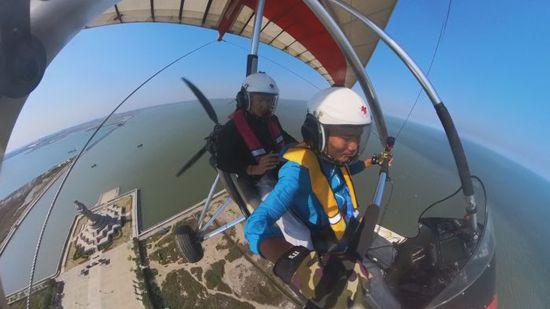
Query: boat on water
{"points": [[449, 264]]}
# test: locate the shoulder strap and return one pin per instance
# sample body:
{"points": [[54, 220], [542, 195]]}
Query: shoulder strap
{"points": [[349, 183], [247, 134], [276, 131], [319, 184]]}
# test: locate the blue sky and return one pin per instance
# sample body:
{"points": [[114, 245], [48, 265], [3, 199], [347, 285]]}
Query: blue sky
{"points": [[491, 71]]}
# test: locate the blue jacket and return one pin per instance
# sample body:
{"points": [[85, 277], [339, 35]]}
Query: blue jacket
{"points": [[293, 192]]}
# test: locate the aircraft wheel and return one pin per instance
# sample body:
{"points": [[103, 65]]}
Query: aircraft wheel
{"points": [[187, 244]]}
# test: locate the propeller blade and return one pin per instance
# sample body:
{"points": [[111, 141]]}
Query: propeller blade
{"points": [[203, 100], [192, 161]]}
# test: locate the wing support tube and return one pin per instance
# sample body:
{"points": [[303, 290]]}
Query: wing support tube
{"points": [[340, 38], [407, 60], [461, 163], [441, 110], [252, 60]]}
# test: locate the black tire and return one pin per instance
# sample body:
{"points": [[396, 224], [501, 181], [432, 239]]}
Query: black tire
{"points": [[187, 244]]}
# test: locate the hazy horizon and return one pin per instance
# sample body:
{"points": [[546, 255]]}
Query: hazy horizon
{"points": [[475, 71], [464, 136]]}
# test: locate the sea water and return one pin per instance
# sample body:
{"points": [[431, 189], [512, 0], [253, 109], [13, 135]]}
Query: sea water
{"points": [[423, 172]]}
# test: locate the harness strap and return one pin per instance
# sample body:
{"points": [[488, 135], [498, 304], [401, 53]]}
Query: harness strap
{"points": [[250, 138], [321, 187], [275, 131]]}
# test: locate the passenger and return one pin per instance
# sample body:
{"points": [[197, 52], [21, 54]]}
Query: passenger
{"points": [[249, 143], [315, 186]]}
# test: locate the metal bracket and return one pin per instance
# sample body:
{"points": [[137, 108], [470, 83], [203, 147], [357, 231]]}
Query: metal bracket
{"points": [[208, 201], [226, 203], [224, 228]]}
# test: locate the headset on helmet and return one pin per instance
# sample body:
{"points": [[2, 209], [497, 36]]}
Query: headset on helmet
{"points": [[242, 99], [313, 133]]}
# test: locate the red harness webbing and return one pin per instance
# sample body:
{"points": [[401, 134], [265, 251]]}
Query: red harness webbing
{"points": [[251, 139]]}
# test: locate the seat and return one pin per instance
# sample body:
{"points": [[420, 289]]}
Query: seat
{"points": [[242, 191]]}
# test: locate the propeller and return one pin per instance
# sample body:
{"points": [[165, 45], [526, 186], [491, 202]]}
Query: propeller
{"points": [[202, 100], [211, 113], [192, 161]]}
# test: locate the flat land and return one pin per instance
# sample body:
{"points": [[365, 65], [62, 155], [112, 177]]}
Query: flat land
{"points": [[227, 277], [105, 286]]}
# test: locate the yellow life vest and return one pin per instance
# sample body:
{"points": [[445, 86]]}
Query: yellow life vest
{"points": [[320, 186]]}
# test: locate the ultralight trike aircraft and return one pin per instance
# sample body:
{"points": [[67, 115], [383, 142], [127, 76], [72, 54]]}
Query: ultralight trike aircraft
{"points": [[449, 264]]}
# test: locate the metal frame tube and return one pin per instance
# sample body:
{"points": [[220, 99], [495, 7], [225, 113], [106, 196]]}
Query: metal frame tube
{"points": [[345, 46], [415, 70], [257, 27], [226, 203], [3, 301], [224, 227], [208, 200], [379, 193], [443, 114]]}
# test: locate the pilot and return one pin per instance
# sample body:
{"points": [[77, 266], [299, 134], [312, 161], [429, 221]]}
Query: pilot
{"points": [[250, 142], [315, 186]]}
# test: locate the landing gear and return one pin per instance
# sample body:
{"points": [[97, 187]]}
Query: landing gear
{"points": [[187, 244], [188, 240]]}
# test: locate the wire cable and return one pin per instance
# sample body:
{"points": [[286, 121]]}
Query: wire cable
{"points": [[439, 39], [276, 63], [455, 193], [440, 201], [484, 190], [75, 159]]}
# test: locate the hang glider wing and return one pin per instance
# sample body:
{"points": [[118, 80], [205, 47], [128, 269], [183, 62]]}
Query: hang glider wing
{"points": [[288, 25]]}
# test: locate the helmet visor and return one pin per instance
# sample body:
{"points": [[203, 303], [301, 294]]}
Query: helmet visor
{"points": [[264, 103], [345, 143]]}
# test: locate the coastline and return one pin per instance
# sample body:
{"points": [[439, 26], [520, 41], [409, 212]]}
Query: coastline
{"points": [[36, 197], [41, 284]]}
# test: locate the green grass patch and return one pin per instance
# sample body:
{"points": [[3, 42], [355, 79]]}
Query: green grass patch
{"points": [[214, 277], [165, 255], [181, 290], [39, 300], [233, 253]]}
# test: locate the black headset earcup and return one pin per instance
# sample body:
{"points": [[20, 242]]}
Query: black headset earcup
{"points": [[242, 99], [310, 131]]}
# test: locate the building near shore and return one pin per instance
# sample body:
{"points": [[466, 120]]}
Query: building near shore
{"points": [[100, 227]]}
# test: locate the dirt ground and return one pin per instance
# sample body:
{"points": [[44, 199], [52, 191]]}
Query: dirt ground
{"points": [[228, 276]]}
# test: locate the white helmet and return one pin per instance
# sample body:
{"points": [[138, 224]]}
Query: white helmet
{"points": [[339, 106], [335, 106], [260, 82], [257, 83]]}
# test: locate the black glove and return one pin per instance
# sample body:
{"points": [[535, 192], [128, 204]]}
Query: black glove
{"points": [[375, 160], [379, 159]]}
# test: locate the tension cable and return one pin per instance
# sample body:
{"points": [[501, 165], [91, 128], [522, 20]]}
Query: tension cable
{"points": [[439, 39], [43, 228]]}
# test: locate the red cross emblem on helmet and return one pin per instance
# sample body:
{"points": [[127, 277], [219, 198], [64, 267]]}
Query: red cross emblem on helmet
{"points": [[364, 110]]}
